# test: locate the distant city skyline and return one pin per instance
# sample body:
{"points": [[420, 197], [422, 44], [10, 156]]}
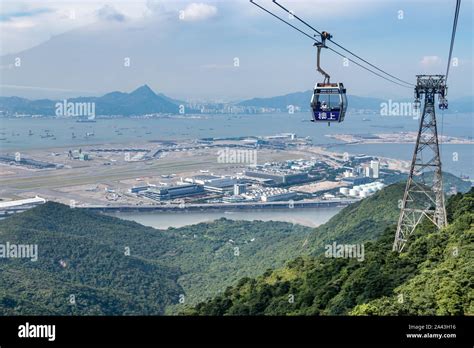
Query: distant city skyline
{"points": [[227, 50]]}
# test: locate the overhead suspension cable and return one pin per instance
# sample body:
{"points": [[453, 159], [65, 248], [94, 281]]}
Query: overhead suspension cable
{"points": [[453, 35], [330, 48], [281, 19], [338, 45]]}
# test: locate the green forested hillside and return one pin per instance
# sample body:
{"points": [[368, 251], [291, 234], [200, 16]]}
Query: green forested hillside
{"points": [[361, 221], [434, 276], [207, 257], [117, 267], [215, 255], [73, 259], [444, 281], [84, 254]]}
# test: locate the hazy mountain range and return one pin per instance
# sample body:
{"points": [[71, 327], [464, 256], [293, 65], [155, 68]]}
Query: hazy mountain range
{"points": [[144, 100], [139, 102], [302, 99]]}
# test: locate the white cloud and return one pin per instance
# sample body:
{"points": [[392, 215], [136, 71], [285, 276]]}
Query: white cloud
{"points": [[19, 24], [155, 6], [197, 12], [48, 18], [109, 13], [428, 61]]}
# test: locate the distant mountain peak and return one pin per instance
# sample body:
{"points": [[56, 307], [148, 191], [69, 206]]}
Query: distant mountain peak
{"points": [[141, 101], [144, 90]]}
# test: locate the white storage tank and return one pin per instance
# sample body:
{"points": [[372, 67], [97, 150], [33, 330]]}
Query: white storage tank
{"points": [[344, 191], [353, 192]]}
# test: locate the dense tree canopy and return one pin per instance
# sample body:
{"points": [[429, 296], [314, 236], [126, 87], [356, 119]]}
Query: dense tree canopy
{"points": [[93, 264], [433, 277]]}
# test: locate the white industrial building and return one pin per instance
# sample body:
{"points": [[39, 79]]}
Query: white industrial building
{"points": [[270, 194], [239, 189], [19, 205], [368, 172], [375, 166]]}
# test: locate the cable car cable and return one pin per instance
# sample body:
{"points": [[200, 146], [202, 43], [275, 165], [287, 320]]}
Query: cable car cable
{"points": [[363, 67], [330, 48], [338, 45], [281, 19], [453, 35]]}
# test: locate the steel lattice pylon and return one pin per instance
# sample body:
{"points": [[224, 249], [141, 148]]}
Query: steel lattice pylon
{"points": [[421, 198]]}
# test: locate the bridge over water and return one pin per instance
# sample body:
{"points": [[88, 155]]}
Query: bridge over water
{"points": [[221, 206]]}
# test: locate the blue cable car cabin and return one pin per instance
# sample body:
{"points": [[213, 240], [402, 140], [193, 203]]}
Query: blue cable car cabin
{"points": [[329, 102]]}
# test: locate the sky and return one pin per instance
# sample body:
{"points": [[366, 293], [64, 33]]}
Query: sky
{"points": [[225, 50]]}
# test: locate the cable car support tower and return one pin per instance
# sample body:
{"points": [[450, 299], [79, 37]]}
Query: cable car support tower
{"points": [[423, 198]]}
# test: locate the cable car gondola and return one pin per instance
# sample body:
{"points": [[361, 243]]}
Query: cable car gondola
{"points": [[329, 101]]}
